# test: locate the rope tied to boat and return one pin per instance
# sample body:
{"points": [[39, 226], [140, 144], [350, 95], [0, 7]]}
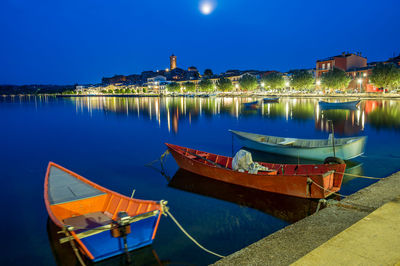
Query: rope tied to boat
{"points": [[360, 176], [166, 212], [162, 160], [66, 230], [332, 192]]}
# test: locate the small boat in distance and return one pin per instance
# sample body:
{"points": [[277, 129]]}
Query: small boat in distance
{"points": [[253, 104], [313, 149], [339, 105], [299, 180], [101, 222], [271, 100]]}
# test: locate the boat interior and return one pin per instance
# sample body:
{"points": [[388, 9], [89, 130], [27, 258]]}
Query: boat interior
{"points": [[78, 202], [277, 169]]}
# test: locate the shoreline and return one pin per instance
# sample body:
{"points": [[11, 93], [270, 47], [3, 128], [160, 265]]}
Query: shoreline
{"points": [[360, 96], [293, 242]]}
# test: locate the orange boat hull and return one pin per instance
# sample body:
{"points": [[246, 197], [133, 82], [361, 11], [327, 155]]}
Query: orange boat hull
{"points": [[326, 179]]}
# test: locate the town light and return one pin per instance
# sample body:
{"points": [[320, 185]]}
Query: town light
{"points": [[318, 82], [167, 69], [359, 81], [237, 86], [287, 83], [262, 84], [365, 74]]}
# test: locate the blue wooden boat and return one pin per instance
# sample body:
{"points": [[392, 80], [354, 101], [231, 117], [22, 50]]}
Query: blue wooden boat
{"points": [[271, 100], [338, 105], [313, 149], [101, 222], [250, 104]]}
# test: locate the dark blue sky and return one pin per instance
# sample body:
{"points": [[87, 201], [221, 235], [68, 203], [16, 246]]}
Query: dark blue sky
{"points": [[80, 41]]}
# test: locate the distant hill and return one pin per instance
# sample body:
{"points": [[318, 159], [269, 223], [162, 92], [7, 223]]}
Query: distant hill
{"points": [[34, 89]]}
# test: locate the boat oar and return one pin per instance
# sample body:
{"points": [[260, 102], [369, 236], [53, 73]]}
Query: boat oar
{"points": [[214, 163]]}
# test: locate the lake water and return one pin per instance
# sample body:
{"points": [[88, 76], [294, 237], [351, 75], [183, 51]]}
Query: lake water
{"points": [[111, 139]]}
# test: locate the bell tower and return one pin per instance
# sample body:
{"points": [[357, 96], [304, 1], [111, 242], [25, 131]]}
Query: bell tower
{"points": [[172, 61]]}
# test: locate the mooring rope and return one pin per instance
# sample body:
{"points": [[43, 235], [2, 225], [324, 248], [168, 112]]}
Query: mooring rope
{"points": [[335, 193], [338, 203], [166, 212], [360, 176], [74, 248], [162, 160]]}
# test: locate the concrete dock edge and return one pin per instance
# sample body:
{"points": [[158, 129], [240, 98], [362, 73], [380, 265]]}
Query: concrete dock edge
{"points": [[295, 241]]}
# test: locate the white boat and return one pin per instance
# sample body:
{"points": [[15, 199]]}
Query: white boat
{"points": [[313, 149], [338, 105]]}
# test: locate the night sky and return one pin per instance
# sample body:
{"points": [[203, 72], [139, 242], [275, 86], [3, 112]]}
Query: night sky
{"points": [[80, 41]]}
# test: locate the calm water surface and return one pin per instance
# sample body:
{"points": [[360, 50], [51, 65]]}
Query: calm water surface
{"points": [[110, 140]]}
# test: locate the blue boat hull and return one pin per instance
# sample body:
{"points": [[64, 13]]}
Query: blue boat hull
{"points": [[103, 245], [340, 105]]}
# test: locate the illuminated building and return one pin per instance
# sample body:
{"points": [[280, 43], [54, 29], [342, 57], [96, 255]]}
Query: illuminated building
{"points": [[345, 62], [172, 62]]}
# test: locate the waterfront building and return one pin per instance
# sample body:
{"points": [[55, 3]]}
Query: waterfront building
{"points": [[345, 62], [157, 84]]}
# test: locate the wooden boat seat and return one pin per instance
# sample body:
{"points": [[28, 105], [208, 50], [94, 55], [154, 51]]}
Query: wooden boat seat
{"points": [[88, 221]]}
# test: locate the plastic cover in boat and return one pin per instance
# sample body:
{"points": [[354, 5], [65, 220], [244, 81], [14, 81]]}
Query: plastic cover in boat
{"points": [[243, 161]]}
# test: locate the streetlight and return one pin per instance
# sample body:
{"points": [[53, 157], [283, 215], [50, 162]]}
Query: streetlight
{"points": [[237, 86], [318, 82], [262, 84]]}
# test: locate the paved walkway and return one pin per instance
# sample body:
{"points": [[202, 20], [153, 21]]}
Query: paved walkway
{"points": [[328, 237], [374, 240]]}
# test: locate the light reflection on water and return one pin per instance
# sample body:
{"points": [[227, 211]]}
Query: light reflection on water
{"points": [[110, 139], [378, 113]]}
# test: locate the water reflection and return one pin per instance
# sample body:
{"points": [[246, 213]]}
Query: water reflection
{"points": [[379, 114], [286, 208]]}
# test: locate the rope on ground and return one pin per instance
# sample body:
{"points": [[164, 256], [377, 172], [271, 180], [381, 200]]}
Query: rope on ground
{"points": [[166, 212], [352, 205], [360, 176]]}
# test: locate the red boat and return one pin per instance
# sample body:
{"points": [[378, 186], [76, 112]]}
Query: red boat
{"points": [[303, 180]]}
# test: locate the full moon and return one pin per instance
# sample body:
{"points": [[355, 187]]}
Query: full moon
{"points": [[206, 8]]}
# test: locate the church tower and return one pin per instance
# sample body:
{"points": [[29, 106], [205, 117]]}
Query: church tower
{"points": [[172, 61]]}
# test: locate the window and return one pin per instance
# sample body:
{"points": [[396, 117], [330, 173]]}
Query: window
{"points": [[323, 66], [329, 66]]}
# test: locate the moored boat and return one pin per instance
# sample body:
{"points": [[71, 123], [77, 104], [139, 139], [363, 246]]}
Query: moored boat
{"points": [[101, 222], [352, 105], [313, 149], [305, 181], [250, 104], [271, 100]]}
